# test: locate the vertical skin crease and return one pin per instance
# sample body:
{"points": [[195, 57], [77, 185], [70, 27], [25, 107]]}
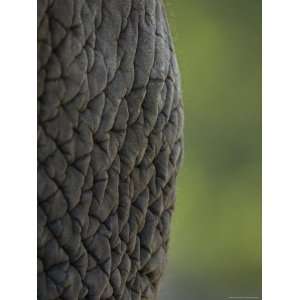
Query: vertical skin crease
{"points": [[109, 148]]}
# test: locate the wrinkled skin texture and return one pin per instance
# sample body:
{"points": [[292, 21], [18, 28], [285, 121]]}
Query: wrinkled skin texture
{"points": [[109, 148]]}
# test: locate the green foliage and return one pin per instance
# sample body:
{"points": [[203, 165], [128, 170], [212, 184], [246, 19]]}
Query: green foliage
{"points": [[216, 227]]}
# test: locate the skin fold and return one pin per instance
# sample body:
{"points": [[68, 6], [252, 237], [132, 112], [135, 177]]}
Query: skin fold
{"points": [[109, 148]]}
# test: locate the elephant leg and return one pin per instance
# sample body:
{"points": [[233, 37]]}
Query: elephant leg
{"points": [[109, 147]]}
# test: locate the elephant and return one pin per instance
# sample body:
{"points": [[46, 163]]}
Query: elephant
{"points": [[109, 148]]}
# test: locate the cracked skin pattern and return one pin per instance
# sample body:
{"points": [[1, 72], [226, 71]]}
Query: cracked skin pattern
{"points": [[109, 148]]}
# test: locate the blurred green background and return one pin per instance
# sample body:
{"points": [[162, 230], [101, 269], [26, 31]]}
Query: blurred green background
{"points": [[215, 249]]}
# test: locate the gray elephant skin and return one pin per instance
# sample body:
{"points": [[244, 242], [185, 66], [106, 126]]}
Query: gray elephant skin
{"points": [[109, 148]]}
